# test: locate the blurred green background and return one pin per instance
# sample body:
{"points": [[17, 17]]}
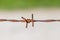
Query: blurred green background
{"points": [[21, 4]]}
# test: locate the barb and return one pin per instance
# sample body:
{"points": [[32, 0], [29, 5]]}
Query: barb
{"points": [[29, 20]]}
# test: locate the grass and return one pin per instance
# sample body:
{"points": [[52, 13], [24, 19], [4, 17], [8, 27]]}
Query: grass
{"points": [[21, 4]]}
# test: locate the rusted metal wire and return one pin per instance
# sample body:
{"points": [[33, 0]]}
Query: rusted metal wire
{"points": [[29, 20]]}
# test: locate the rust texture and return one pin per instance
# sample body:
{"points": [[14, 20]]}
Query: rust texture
{"points": [[29, 20]]}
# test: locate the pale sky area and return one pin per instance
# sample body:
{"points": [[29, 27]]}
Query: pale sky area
{"points": [[41, 31]]}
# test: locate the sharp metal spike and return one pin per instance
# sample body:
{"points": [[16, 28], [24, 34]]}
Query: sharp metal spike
{"points": [[32, 21], [26, 25]]}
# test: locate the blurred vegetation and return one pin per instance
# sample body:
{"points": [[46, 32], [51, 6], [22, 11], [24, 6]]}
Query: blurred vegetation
{"points": [[10, 4]]}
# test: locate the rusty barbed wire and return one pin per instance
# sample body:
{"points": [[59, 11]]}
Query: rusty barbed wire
{"points": [[29, 20]]}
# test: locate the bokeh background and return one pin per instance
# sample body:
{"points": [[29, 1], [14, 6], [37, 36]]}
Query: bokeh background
{"points": [[24, 4], [42, 9]]}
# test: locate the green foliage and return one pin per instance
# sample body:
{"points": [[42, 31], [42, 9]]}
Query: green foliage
{"points": [[28, 3]]}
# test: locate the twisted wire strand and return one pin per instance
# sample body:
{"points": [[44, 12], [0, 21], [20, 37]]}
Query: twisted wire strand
{"points": [[13, 20]]}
